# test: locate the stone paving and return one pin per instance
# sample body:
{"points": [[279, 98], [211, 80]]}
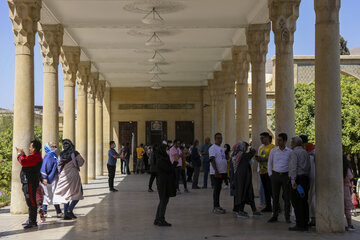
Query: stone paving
{"points": [[129, 214]]}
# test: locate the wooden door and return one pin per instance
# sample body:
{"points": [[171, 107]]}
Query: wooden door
{"points": [[184, 131], [126, 129]]}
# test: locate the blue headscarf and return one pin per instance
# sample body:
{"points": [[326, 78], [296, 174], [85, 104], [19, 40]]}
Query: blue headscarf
{"points": [[48, 149]]}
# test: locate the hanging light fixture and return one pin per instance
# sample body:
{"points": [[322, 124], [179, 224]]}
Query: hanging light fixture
{"points": [[154, 41], [156, 58], [156, 86], [155, 79], [153, 18], [156, 70]]}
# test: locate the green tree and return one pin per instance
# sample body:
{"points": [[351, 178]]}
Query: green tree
{"points": [[343, 47]]}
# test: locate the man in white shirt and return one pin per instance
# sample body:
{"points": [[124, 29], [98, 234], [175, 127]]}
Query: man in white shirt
{"points": [[278, 168], [218, 169]]}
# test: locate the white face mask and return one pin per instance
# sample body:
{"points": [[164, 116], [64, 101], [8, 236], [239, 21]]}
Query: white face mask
{"points": [[114, 146]]}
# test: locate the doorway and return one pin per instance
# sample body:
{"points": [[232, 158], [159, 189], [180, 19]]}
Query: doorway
{"points": [[126, 131], [184, 131], [156, 132]]}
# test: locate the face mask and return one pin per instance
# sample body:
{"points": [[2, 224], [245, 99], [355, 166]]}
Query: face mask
{"points": [[225, 149], [114, 146]]}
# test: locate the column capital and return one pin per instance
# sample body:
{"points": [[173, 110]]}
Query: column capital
{"points": [[257, 38], [70, 58], [82, 77], [229, 76], [50, 39], [327, 10], [283, 14], [93, 84], [24, 15], [100, 91], [241, 59]]}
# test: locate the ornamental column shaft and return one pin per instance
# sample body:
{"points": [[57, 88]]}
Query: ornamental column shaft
{"points": [[92, 85], [329, 184], [229, 83], [50, 39], [283, 14], [70, 58], [212, 93], [241, 60], [220, 106], [257, 37], [99, 127], [24, 15], [81, 120]]}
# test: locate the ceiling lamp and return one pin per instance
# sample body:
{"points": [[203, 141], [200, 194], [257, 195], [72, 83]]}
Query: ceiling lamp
{"points": [[156, 86], [156, 58], [154, 41], [153, 18], [156, 70], [155, 79]]}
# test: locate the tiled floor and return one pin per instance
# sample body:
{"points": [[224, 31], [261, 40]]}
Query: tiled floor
{"points": [[129, 214]]}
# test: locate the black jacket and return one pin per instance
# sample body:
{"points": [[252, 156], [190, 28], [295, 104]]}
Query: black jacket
{"points": [[165, 174]]}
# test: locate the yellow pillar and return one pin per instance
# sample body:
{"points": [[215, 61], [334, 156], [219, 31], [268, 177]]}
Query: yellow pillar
{"points": [[99, 138], [92, 85]]}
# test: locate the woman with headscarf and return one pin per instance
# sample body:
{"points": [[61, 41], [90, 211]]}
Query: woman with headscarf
{"points": [[242, 188], [69, 188], [166, 183]]}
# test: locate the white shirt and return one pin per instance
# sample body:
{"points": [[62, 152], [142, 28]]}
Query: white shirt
{"points": [[279, 160], [220, 160]]}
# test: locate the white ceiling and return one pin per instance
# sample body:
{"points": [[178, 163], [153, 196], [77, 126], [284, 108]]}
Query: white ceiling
{"points": [[198, 35]]}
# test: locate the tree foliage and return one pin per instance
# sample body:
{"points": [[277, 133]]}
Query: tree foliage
{"points": [[343, 47], [350, 108]]}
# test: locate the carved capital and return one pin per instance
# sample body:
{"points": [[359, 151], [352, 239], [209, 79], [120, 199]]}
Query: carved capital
{"points": [[93, 84], [241, 59], [327, 11], [24, 15], [229, 76], [50, 39], [100, 91], [70, 58], [283, 14], [257, 38], [82, 77]]}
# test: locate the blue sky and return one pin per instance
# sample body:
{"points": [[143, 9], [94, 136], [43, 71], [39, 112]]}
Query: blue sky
{"points": [[304, 45]]}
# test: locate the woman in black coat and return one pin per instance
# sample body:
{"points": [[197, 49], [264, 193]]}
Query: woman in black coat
{"points": [[166, 183]]}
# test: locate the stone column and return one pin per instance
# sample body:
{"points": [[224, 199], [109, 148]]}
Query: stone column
{"points": [[24, 15], [92, 85], [229, 83], [283, 15], [207, 117], [220, 106], [212, 93], [50, 39], [99, 127], [81, 119], [107, 132], [329, 183], [257, 37], [241, 60], [70, 58]]}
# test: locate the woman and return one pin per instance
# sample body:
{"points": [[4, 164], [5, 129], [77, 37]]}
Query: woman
{"points": [[153, 170], [196, 164], [242, 182], [166, 183], [69, 189], [347, 195]]}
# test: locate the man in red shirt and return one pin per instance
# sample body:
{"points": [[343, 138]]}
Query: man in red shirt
{"points": [[30, 178]]}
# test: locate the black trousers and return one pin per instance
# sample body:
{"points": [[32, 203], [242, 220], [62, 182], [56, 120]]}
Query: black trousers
{"points": [[300, 203], [152, 178], [122, 165], [190, 172], [266, 182], [179, 172], [280, 181], [111, 170], [195, 181], [29, 190], [217, 188], [160, 213]]}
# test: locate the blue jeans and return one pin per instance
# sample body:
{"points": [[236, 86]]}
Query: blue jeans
{"points": [[206, 167], [262, 198], [70, 206]]}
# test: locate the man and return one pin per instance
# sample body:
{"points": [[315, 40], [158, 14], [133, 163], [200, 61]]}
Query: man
{"points": [[218, 169], [262, 158], [196, 164], [111, 165], [122, 159], [299, 171], [49, 174], [278, 168], [176, 156], [30, 178], [206, 161], [127, 154], [140, 158]]}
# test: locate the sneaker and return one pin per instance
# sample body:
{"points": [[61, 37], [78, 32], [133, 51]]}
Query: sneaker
{"points": [[26, 223], [47, 215], [219, 210], [67, 216], [178, 192], [350, 228], [72, 215], [272, 219], [257, 213], [226, 187], [60, 215], [114, 190], [156, 222], [42, 220], [30, 225], [150, 190], [163, 223], [242, 214]]}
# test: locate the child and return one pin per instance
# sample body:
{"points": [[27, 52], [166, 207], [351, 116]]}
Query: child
{"points": [[347, 174], [354, 198], [39, 202]]}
